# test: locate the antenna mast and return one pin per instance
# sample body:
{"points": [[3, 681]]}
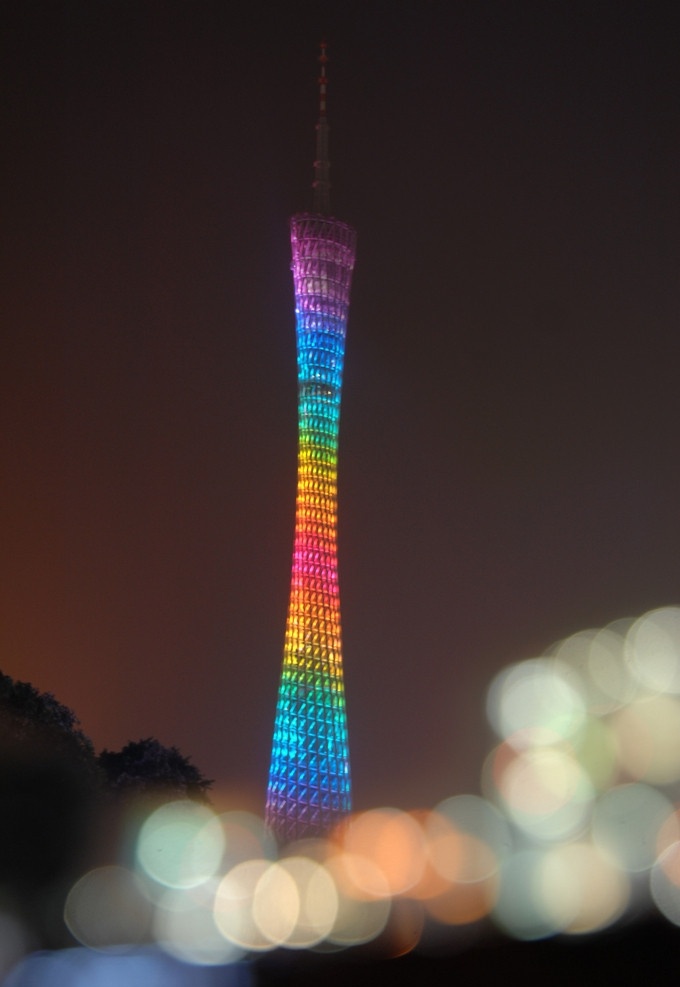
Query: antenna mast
{"points": [[321, 183]]}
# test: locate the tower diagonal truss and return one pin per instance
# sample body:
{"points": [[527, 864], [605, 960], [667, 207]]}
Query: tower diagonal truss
{"points": [[309, 788]]}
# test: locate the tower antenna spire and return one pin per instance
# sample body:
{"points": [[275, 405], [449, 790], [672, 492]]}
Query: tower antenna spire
{"points": [[322, 165]]}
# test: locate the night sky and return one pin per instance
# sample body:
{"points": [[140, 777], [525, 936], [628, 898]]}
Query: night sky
{"points": [[509, 470]]}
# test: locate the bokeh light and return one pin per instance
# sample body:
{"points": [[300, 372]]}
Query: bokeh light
{"points": [[609, 668], [577, 823], [653, 643], [184, 926], [459, 857], [276, 904], [596, 748], [582, 888], [405, 928], [317, 898], [626, 823], [667, 836], [522, 909], [245, 838], [107, 908], [234, 906], [364, 901], [546, 793], [597, 658], [462, 904], [395, 843], [180, 844], [647, 734], [140, 967], [534, 702], [664, 883], [477, 817]]}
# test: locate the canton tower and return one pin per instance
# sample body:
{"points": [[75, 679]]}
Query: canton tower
{"points": [[309, 788]]}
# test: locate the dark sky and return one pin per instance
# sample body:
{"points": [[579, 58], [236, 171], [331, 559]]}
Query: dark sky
{"points": [[509, 470]]}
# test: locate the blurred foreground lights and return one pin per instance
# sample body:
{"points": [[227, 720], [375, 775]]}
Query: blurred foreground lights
{"points": [[575, 889], [107, 909], [246, 838], [653, 648], [141, 967], [260, 905], [479, 818], [583, 888], [394, 842], [471, 872], [668, 835], [364, 902], [459, 857], [463, 904], [234, 906], [596, 748], [647, 733], [535, 703], [598, 659], [557, 845], [610, 676], [664, 883], [522, 908], [317, 902], [276, 904], [180, 845], [626, 824], [546, 793], [184, 927]]}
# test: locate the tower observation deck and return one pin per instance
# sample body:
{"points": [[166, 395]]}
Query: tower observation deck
{"points": [[309, 788]]}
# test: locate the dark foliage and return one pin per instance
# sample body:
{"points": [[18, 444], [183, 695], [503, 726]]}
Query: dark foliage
{"points": [[147, 768], [56, 796], [49, 785], [34, 723]]}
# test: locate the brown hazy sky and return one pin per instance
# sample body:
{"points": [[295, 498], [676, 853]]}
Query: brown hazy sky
{"points": [[508, 465]]}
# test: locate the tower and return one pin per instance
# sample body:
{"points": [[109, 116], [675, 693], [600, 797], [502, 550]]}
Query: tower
{"points": [[309, 788]]}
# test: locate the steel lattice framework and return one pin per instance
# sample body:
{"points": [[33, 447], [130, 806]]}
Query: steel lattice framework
{"points": [[309, 780]]}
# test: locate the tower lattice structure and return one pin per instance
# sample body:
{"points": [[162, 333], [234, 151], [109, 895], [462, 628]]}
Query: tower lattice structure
{"points": [[309, 789]]}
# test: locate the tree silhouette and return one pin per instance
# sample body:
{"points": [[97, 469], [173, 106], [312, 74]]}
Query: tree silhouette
{"points": [[148, 768], [34, 723], [56, 797], [49, 784]]}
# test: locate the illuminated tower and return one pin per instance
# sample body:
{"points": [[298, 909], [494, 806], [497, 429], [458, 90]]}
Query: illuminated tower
{"points": [[309, 786]]}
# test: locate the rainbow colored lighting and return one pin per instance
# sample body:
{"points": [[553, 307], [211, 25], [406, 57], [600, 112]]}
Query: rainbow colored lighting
{"points": [[309, 787]]}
